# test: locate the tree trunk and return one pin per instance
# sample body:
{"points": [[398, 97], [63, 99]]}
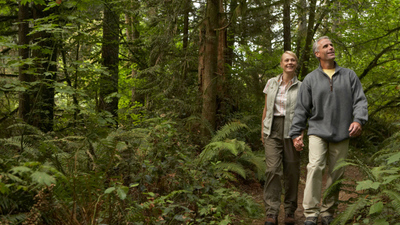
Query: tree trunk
{"points": [[286, 26], [132, 34], [23, 40], [231, 36], [209, 77], [185, 39], [301, 26], [110, 50], [42, 111], [222, 94], [310, 34]]}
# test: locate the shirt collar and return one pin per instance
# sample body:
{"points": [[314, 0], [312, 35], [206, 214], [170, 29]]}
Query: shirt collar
{"points": [[290, 82]]}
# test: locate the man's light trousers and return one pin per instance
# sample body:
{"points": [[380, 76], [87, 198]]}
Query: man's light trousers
{"points": [[320, 154]]}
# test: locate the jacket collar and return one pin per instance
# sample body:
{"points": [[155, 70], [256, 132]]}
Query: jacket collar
{"points": [[278, 78], [337, 67]]}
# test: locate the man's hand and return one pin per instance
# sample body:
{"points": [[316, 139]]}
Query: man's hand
{"points": [[355, 129], [298, 143]]}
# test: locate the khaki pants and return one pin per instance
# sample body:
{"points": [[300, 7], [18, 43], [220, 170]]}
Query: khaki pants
{"points": [[320, 153], [280, 152]]}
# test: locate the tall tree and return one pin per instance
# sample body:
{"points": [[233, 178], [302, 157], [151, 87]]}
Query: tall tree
{"points": [[301, 25], [305, 56], [287, 40], [42, 109], [23, 41], [208, 73], [110, 52]]}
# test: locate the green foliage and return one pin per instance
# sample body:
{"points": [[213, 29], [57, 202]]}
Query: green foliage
{"points": [[229, 156], [378, 196], [143, 174]]}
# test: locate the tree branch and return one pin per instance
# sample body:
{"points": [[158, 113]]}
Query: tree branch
{"points": [[377, 38], [8, 75], [387, 105], [6, 18], [10, 114], [374, 62]]}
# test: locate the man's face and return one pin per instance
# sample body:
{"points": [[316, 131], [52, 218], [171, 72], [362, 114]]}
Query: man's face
{"points": [[326, 50]]}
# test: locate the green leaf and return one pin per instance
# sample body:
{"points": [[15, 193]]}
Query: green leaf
{"points": [[381, 222], [389, 179], [109, 190], [367, 184], [134, 185], [20, 169], [376, 208], [4, 189], [394, 158], [43, 178], [122, 191]]}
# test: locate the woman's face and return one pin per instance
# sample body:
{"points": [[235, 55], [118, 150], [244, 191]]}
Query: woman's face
{"points": [[288, 63]]}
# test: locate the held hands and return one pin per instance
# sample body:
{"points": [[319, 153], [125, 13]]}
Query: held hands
{"points": [[355, 129], [298, 143]]}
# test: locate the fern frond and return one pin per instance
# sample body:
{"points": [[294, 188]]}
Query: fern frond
{"points": [[232, 167], [334, 188], [256, 161], [351, 211], [228, 129], [27, 128], [360, 164], [216, 148], [227, 175], [13, 219], [394, 196]]}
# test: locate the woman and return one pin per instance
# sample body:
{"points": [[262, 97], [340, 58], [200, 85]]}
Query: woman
{"points": [[280, 100]]}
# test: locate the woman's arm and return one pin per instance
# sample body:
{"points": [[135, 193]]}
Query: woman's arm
{"points": [[262, 119]]}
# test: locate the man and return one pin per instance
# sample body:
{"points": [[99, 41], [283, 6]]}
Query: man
{"points": [[331, 98]]}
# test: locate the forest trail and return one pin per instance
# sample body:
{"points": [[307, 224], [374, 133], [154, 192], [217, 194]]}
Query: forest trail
{"points": [[256, 190]]}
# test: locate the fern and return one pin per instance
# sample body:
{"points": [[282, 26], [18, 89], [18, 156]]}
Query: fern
{"points": [[334, 188], [379, 192], [234, 155], [227, 130], [394, 196], [233, 167], [351, 211]]}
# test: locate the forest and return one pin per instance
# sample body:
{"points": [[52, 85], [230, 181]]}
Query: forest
{"points": [[149, 112]]}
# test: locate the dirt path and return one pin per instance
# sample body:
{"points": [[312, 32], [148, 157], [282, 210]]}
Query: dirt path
{"points": [[256, 191]]}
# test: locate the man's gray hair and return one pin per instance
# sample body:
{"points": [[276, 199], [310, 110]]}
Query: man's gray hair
{"points": [[315, 45]]}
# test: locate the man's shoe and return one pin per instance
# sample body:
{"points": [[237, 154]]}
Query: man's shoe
{"points": [[311, 221], [271, 220], [326, 220], [289, 219]]}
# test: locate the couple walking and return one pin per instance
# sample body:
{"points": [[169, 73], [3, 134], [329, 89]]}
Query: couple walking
{"points": [[331, 100]]}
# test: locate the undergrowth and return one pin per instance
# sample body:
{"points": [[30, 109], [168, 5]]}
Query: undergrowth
{"points": [[377, 198], [148, 173]]}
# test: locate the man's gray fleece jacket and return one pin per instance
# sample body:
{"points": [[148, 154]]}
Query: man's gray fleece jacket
{"points": [[330, 105]]}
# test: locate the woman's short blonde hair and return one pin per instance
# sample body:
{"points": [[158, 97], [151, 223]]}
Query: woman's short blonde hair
{"points": [[290, 53]]}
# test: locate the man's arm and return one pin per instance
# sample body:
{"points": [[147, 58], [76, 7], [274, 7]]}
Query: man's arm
{"points": [[302, 111], [360, 107]]}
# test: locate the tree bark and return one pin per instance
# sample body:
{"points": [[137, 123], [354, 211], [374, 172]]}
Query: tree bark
{"points": [[132, 34], [23, 40], [301, 26], [110, 50], [41, 114], [287, 40], [209, 77], [310, 34]]}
